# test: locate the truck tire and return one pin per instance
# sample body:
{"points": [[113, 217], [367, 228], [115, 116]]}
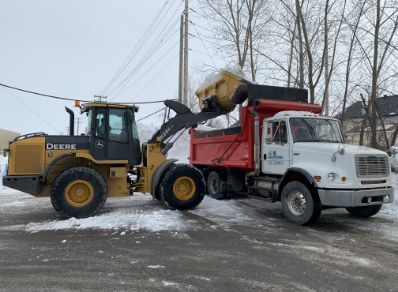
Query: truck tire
{"points": [[182, 187], [298, 204], [215, 186], [364, 212], [79, 192]]}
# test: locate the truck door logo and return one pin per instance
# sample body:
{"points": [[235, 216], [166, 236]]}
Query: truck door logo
{"points": [[272, 155]]}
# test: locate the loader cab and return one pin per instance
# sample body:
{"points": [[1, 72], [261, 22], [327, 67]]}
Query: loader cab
{"points": [[112, 131]]}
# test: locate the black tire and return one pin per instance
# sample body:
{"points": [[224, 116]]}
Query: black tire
{"points": [[215, 186], [299, 205], [364, 212], [79, 192], [182, 187]]}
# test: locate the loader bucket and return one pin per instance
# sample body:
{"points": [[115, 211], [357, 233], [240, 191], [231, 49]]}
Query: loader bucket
{"points": [[223, 93]]}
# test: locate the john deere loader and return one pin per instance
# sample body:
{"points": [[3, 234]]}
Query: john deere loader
{"points": [[80, 172]]}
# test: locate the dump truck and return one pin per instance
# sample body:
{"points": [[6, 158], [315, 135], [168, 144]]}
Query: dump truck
{"points": [[80, 172], [282, 150]]}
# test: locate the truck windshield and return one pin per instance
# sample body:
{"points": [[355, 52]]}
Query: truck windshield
{"points": [[315, 130]]}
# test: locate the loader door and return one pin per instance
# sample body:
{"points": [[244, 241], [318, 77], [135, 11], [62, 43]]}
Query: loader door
{"points": [[110, 137], [98, 134], [118, 135]]}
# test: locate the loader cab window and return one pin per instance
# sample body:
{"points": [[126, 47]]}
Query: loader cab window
{"points": [[279, 133], [89, 122], [100, 123], [118, 126]]}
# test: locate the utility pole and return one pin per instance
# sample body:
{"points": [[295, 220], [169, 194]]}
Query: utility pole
{"points": [[185, 99], [77, 120], [100, 98], [180, 73]]}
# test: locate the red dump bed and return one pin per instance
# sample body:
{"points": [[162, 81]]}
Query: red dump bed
{"points": [[234, 147]]}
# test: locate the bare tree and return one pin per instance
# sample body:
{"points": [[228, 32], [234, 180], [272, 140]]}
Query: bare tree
{"points": [[382, 17], [238, 29]]}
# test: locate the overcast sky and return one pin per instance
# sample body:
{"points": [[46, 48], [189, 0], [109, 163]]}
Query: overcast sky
{"points": [[74, 48]]}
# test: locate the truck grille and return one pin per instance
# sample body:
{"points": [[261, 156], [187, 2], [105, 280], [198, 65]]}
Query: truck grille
{"points": [[372, 166]]}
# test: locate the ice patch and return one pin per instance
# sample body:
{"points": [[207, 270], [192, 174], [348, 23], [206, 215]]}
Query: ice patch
{"points": [[156, 267]]}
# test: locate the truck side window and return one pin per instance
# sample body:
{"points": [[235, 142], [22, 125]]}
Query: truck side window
{"points": [[279, 132]]}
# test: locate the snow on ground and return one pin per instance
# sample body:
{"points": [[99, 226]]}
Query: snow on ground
{"points": [[140, 211]]}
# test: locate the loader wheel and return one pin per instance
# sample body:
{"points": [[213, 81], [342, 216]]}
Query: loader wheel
{"points": [[79, 192], [364, 212], [182, 187], [215, 186], [299, 205]]}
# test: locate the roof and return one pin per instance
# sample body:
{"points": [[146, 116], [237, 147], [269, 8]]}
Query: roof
{"points": [[86, 106], [388, 106]]}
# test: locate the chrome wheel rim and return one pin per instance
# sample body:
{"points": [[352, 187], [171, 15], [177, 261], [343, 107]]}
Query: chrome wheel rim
{"points": [[296, 203]]}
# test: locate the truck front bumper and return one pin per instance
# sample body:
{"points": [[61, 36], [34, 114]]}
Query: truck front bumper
{"points": [[355, 198]]}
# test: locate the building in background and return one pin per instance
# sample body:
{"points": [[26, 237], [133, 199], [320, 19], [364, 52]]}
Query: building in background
{"points": [[355, 115], [5, 138]]}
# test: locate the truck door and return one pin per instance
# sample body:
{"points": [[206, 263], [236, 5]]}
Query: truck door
{"points": [[275, 147]]}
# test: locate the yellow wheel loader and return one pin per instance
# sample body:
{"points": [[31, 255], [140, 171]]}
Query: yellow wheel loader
{"points": [[80, 172]]}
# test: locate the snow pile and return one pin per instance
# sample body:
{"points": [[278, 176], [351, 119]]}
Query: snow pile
{"points": [[133, 219], [3, 169], [392, 209], [3, 165], [140, 212]]}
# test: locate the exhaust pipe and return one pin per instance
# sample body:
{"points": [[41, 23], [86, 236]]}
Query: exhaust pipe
{"points": [[257, 150], [71, 121]]}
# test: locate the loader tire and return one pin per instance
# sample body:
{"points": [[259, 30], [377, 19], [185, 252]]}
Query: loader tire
{"points": [[299, 205], [364, 212], [79, 192], [215, 186], [182, 187]]}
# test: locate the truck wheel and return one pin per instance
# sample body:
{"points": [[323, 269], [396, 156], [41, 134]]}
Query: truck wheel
{"points": [[365, 211], [182, 187], [298, 204], [215, 186], [79, 192]]}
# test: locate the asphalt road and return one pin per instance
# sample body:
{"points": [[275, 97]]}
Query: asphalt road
{"points": [[249, 248]]}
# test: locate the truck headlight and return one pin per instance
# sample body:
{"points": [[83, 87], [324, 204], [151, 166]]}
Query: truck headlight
{"points": [[332, 176], [336, 178]]}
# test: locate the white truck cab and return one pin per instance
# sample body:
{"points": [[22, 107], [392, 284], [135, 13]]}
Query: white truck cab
{"points": [[316, 169]]}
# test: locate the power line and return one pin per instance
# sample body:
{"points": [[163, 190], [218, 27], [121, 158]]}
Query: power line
{"points": [[139, 45], [154, 78], [149, 54], [200, 37], [163, 34], [41, 94], [29, 108], [154, 113], [72, 99], [124, 88]]}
